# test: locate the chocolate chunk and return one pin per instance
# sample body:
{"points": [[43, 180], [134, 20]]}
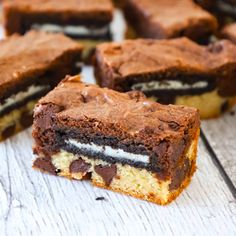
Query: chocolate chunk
{"points": [[9, 131], [106, 172], [45, 165], [180, 175], [26, 119], [79, 166]]}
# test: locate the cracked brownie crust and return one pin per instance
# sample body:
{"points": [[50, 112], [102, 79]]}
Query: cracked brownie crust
{"points": [[31, 65], [171, 71], [82, 130], [20, 14], [162, 19]]}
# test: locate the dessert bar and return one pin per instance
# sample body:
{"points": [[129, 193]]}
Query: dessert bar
{"points": [[162, 19], [176, 71], [30, 66], [121, 141], [87, 21]]}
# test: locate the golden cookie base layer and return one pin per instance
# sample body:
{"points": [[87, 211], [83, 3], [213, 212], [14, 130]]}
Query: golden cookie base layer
{"points": [[13, 122], [136, 182], [209, 104]]}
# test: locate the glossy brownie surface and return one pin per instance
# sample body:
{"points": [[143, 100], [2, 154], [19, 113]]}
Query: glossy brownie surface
{"points": [[169, 18], [24, 59], [127, 121], [119, 65]]}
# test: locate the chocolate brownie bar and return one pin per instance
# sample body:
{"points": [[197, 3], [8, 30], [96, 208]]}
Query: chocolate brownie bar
{"points": [[122, 141], [30, 66], [162, 19], [176, 71], [87, 21]]}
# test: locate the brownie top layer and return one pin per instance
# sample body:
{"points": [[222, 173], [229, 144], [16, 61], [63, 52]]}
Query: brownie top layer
{"points": [[122, 115], [173, 16], [137, 57], [31, 55], [80, 9]]}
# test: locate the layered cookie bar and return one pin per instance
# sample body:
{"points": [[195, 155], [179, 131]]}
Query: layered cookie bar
{"points": [[161, 19], [30, 66], [87, 21], [121, 141], [176, 71]]}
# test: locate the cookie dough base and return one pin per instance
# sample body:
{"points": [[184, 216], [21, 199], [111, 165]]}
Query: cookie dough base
{"points": [[210, 105], [16, 120], [139, 183]]}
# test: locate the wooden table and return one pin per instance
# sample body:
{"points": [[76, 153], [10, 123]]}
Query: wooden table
{"points": [[32, 203]]}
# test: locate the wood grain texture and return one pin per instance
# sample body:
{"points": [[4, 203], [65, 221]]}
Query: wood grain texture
{"points": [[32, 203], [221, 134]]}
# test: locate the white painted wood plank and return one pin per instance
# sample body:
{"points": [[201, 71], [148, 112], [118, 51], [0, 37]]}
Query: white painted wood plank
{"points": [[40, 204], [221, 134]]}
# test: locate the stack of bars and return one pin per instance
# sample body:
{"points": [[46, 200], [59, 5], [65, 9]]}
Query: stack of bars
{"points": [[117, 135], [121, 141]]}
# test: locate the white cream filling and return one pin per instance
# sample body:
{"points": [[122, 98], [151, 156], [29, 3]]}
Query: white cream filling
{"points": [[21, 96], [118, 154], [70, 29], [167, 85]]}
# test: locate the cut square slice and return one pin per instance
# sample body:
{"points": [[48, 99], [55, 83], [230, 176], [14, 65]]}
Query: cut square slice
{"points": [[31, 65], [122, 141]]}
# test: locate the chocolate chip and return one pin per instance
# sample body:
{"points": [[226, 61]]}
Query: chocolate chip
{"points": [[100, 199], [79, 166], [9, 131], [57, 171], [26, 119], [106, 172], [232, 113]]}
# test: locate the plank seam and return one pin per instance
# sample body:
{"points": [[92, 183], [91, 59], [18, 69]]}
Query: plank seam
{"points": [[218, 164]]}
